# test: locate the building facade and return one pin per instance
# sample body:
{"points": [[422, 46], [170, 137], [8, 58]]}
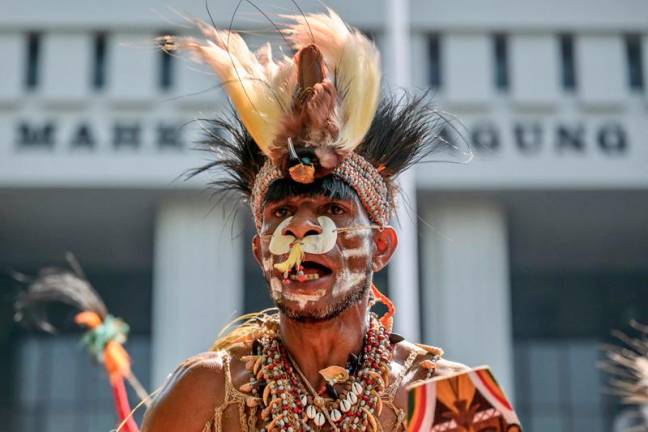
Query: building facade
{"points": [[529, 255]]}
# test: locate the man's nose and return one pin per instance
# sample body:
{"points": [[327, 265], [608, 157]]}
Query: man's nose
{"points": [[301, 226]]}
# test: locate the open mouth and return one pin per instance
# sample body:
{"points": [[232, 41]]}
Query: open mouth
{"points": [[310, 270]]}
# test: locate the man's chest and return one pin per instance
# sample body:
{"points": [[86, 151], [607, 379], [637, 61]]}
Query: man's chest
{"points": [[238, 417]]}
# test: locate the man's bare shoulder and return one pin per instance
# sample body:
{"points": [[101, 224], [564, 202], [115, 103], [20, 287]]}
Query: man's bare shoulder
{"points": [[189, 396]]}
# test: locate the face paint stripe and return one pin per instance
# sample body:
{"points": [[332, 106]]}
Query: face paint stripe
{"points": [[356, 252]]}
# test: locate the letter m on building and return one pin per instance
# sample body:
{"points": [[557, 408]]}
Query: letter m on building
{"points": [[31, 136]]}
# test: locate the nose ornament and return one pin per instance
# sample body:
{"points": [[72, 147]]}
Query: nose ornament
{"points": [[294, 260]]}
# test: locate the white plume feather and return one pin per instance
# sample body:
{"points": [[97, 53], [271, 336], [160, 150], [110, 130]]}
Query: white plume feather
{"points": [[260, 88]]}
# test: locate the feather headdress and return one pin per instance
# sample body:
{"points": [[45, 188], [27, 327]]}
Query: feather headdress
{"points": [[310, 110], [311, 115]]}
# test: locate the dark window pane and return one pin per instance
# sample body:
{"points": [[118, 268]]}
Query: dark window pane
{"points": [[434, 52], [166, 69], [501, 62], [635, 62], [99, 75], [33, 57], [567, 62]]}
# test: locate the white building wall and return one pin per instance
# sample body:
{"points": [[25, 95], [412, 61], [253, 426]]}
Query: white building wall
{"points": [[12, 45], [197, 285], [66, 66], [468, 79], [535, 70], [133, 65], [601, 67], [465, 289]]}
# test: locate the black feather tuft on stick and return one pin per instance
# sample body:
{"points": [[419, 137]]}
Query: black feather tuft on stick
{"points": [[55, 285]]}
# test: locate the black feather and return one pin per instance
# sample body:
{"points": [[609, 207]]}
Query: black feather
{"points": [[404, 131], [55, 285], [236, 157]]}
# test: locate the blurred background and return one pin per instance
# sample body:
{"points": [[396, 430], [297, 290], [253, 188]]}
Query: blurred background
{"points": [[527, 257]]}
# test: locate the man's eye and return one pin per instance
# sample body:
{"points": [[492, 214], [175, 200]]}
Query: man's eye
{"points": [[281, 212], [335, 209]]}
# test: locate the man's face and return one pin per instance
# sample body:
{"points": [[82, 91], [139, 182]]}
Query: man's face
{"points": [[340, 276]]}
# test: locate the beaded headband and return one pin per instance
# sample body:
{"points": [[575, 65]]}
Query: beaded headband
{"points": [[355, 170]]}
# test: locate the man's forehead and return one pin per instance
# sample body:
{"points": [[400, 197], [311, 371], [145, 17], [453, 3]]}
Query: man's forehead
{"points": [[329, 187], [313, 200]]}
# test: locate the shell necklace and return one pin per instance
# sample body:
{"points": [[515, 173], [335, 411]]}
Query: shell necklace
{"points": [[289, 403]]}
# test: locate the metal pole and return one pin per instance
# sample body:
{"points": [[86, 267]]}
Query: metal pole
{"points": [[403, 270]]}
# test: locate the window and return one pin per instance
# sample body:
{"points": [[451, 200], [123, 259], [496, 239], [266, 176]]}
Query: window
{"points": [[99, 72], [635, 62], [567, 63], [166, 69], [500, 51], [434, 53], [33, 57]]}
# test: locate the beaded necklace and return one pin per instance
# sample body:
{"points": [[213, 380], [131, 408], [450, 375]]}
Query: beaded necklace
{"points": [[289, 403]]}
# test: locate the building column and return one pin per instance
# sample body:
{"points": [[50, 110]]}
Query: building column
{"points": [[466, 295], [197, 280]]}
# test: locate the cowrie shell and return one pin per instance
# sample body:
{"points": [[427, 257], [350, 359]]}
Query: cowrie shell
{"points": [[311, 412], [319, 419], [345, 405], [336, 415]]}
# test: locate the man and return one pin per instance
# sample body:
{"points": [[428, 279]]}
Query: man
{"points": [[315, 154]]}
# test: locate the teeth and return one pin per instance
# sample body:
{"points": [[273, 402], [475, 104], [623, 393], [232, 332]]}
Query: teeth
{"points": [[305, 277]]}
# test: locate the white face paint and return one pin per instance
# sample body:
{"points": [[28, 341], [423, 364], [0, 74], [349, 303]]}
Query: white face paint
{"points": [[322, 243], [302, 299], [275, 288], [267, 264], [347, 280], [356, 252], [315, 244]]}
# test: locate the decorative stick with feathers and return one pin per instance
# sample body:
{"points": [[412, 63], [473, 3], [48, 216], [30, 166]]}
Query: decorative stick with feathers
{"points": [[306, 113], [628, 368], [106, 334]]}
